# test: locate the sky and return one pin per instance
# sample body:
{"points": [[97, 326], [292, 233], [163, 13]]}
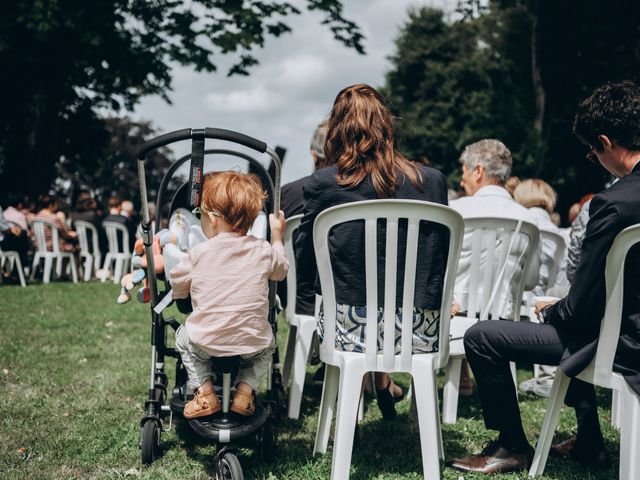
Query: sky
{"points": [[292, 89]]}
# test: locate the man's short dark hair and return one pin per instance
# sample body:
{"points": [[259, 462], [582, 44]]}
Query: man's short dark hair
{"points": [[612, 110]]}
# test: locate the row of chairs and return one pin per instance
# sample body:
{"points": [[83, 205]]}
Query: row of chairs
{"points": [[116, 262], [492, 239]]}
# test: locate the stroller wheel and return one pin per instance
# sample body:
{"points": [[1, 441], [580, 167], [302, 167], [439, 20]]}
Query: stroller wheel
{"points": [[149, 442], [268, 441], [229, 468]]}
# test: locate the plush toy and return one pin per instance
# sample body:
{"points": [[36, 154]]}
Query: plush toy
{"points": [[168, 247]]}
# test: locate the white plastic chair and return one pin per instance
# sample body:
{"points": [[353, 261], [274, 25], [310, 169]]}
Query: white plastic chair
{"points": [[494, 247], [301, 329], [345, 370], [11, 259], [600, 370], [92, 256], [118, 254], [38, 226]]}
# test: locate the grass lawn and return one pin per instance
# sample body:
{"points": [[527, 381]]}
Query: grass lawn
{"points": [[73, 379]]}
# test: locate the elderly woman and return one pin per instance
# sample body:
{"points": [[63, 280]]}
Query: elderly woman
{"points": [[361, 145], [538, 196]]}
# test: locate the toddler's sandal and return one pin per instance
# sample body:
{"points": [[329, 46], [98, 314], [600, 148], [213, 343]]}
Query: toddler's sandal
{"points": [[243, 404], [202, 405]]}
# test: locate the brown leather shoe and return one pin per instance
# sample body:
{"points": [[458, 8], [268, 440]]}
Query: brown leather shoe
{"points": [[586, 457], [494, 459]]}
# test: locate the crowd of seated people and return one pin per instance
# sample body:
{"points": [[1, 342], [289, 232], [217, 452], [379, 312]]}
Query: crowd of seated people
{"points": [[17, 215]]}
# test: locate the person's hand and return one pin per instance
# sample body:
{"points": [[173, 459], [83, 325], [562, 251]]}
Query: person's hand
{"points": [[544, 303], [455, 309], [15, 230], [278, 223], [72, 234]]}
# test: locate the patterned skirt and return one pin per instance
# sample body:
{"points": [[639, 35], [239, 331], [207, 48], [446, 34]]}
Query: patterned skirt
{"points": [[351, 322]]}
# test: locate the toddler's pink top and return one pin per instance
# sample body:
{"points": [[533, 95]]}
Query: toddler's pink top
{"points": [[227, 277]]}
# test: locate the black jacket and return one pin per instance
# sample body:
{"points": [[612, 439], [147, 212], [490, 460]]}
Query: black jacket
{"points": [[346, 242], [578, 316]]}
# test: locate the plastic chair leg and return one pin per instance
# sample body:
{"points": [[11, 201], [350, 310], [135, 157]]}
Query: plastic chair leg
{"points": [[327, 407], [117, 272], [347, 412], [450, 393], [616, 409], [304, 338], [288, 355], [549, 423], [74, 270], [106, 268], [86, 269], [630, 436], [426, 401], [439, 429], [20, 271], [59, 262], [34, 264], [46, 277]]}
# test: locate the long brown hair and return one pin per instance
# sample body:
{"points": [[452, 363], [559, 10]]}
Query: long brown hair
{"points": [[360, 142]]}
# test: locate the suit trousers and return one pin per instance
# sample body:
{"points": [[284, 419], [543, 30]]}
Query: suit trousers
{"points": [[491, 345]]}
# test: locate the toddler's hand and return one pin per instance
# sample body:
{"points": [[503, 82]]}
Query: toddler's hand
{"points": [[277, 223]]}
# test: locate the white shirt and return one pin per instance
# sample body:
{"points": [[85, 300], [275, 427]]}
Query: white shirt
{"points": [[489, 201]]}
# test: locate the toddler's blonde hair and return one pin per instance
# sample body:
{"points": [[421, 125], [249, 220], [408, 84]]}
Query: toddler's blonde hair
{"points": [[237, 197]]}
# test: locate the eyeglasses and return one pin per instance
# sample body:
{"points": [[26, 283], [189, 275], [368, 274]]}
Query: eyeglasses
{"points": [[591, 156], [197, 212]]}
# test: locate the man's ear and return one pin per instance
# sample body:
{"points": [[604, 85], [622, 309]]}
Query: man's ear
{"points": [[315, 159], [606, 142], [478, 171]]}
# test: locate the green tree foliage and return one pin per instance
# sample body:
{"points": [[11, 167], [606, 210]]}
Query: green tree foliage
{"points": [[65, 61], [116, 173], [513, 70]]}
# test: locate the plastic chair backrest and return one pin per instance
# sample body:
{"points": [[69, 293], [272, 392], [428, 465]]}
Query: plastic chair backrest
{"points": [[560, 249], [112, 229], [392, 210], [292, 225], [602, 364], [84, 229], [493, 243], [38, 226]]}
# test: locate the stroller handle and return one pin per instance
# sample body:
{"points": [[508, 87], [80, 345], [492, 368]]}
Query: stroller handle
{"points": [[188, 133]]}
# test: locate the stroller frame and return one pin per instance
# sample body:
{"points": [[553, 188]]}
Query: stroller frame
{"points": [[156, 412]]}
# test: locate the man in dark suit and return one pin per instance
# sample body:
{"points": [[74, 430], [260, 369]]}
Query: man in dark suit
{"points": [[608, 123], [291, 204]]}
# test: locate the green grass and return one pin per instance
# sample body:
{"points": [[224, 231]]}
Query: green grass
{"points": [[73, 380]]}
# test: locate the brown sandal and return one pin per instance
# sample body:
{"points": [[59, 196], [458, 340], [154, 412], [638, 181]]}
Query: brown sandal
{"points": [[202, 405], [243, 403]]}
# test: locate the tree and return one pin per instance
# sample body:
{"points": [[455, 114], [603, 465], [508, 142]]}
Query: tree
{"points": [[116, 172], [535, 61], [66, 60]]}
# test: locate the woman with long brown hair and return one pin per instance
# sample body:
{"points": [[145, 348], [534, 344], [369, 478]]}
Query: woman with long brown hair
{"points": [[360, 141]]}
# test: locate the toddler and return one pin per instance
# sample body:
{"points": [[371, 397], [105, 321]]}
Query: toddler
{"points": [[227, 277]]}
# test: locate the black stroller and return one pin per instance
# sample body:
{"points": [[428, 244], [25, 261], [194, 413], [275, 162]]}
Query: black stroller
{"points": [[224, 427]]}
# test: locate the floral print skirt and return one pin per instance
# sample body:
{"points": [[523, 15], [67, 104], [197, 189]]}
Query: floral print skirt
{"points": [[351, 322]]}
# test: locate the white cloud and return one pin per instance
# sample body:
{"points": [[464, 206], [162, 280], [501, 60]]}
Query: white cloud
{"points": [[255, 99]]}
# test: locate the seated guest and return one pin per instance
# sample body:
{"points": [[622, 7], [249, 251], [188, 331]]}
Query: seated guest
{"points": [[608, 124], [86, 211], [291, 204], [361, 142], [115, 215], [49, 209], [486, 166], [12, 236], [538, 196]]}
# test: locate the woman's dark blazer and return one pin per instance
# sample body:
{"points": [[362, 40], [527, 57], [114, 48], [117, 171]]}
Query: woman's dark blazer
{"points": [[346, 242]]}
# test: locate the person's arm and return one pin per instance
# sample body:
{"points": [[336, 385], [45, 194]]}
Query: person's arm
{"points": [[582, 309], [279, 262], [181, 278]]}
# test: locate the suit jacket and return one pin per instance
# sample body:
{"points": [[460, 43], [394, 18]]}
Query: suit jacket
{"points": [[578, 316], [291, 201], [346, 242]]}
